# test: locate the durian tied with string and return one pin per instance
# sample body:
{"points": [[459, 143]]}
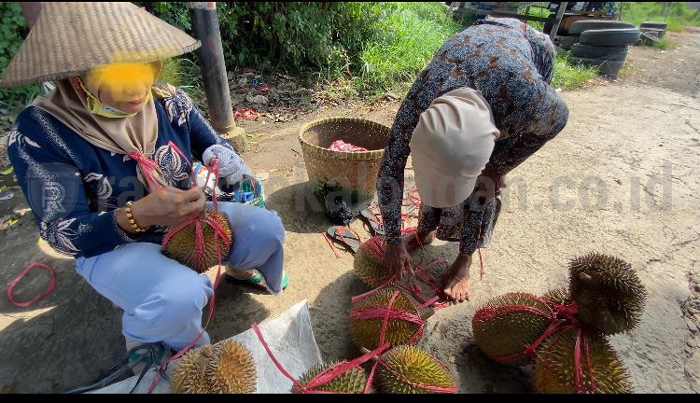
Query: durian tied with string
{"points": [[204, 239], [368, 314], [369, 263], [505, 325], [409, 369], [576, 360]]}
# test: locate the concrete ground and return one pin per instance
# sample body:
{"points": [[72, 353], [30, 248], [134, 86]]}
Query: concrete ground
{"points": [[629, 147]]}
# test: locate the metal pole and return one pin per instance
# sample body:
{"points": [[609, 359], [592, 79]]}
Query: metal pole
{"points": [[557, 20], [31, 12], [205, 26]]}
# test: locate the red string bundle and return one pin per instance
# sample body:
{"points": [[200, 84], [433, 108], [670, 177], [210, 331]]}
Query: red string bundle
{"points": [[421, 275]]}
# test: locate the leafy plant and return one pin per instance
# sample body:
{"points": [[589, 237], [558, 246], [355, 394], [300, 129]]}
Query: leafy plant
{"points": [[12, 30]]}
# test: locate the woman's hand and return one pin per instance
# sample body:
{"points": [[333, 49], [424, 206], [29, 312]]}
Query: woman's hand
{"points": [[167, 206], [398, 260], [490, 185]]}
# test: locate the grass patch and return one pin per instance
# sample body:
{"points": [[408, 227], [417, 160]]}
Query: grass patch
{"points": [[663, 43], [677, 14], [403, 43], [570, 76]]}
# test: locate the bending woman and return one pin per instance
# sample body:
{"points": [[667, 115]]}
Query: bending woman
{"points": [[481, 107]]}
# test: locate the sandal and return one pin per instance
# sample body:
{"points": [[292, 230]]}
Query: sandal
{"points": [[373, 220], [257, 279], [346, 237]]}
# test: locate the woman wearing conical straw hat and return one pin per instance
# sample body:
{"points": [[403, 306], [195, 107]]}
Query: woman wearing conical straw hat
{"points": [[479, 109], [107, 142]]}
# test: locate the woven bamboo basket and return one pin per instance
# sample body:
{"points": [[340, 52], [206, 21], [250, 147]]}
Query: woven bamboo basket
{"points": [[335, 171]]}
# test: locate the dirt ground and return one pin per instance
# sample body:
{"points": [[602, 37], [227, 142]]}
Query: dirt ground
{"points": [[629, 147]]}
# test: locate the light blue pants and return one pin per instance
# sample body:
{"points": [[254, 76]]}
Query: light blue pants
{"points": [[162, 299]]}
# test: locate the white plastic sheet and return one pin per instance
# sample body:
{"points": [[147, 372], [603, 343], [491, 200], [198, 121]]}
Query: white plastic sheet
{"points": [[289, 336]]}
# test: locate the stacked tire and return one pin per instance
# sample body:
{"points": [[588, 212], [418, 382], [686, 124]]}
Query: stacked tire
{"points": [[603, 43], [651, 32], [653, 26]]}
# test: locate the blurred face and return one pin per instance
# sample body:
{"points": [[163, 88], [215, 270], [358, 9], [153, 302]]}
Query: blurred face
{"points": [[124, 86]]}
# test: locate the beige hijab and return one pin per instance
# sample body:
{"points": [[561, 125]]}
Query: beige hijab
{"points": [[118, 135], [451, 145]]}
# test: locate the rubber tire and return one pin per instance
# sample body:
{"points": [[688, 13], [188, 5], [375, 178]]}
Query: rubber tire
{"points": [[653, 24], [584, 25], [605, 67], [599, 52], [610, 37], [566, 42], [660, 32]]}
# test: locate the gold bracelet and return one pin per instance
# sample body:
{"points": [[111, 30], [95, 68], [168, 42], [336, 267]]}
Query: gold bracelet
{"points": [[130, 217]]}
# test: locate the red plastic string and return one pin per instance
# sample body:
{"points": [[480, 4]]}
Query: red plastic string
{"points": [[218, 233], [481, 265], [147, 167], [323, 377], [49, 289], [330, 244], [382, 340]]}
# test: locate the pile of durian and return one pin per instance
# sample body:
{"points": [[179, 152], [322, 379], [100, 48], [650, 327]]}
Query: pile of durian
{"points": [[225, 367], [403, 368], [605, 297]]}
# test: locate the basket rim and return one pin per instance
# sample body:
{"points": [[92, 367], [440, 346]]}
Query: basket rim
{"points": [[341, 154]]}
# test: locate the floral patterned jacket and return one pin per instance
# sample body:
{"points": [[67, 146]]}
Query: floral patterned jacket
{"points": [[74, 187]]}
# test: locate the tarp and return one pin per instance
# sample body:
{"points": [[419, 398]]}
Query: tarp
{"points": [[289, 336]]}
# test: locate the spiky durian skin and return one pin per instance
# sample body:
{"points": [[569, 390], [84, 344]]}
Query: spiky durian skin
{"points": [[181, 246], [370, 269], [190, 375], [233, 369], [609, 294], [366, 332], [504, 325], [352, 381], [558, 296], [553, 369], [416, 369]]}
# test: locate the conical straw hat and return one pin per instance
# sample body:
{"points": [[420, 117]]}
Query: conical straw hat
{"points": [[71, 38]]}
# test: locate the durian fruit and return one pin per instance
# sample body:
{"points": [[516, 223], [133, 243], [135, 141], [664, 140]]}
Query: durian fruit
{"points": [[369, 263], [350, 381], [181, 245], [190, 375], [609, 294], [233, 369], [559, 296], [553, 368], [505, 324], [409, 369], [366, 332]]}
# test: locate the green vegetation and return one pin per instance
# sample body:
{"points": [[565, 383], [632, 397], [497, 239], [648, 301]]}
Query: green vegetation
{"points": [[403, 42], [664, 43], [366, 48], [571, 76], [679, 14], [12, 29]]}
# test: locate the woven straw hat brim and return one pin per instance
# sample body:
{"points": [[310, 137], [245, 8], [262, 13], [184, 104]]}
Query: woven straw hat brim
{"points": [[71, 38]]}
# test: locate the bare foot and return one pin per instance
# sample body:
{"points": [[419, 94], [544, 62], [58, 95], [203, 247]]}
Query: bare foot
{"points": [[413, 241], [456, 281]]}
